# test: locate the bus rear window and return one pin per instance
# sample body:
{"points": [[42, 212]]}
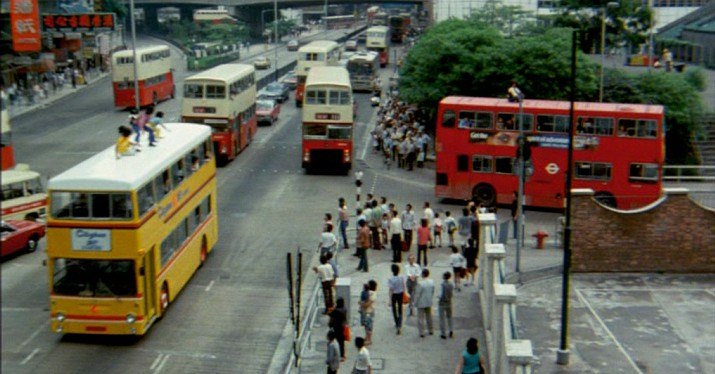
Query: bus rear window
{"points": [[193, 91], [215, 92], [339, 98], [97, 206], [94, 278], [315, 97]]}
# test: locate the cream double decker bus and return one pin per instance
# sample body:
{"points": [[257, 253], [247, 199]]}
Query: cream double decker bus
{"points": [[364, 69], [328, 116], [315, 53], [224, 98], [378, 40], [125, 236]]}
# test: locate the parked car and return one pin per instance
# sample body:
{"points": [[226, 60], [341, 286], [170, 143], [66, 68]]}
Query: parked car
{"points": [[276, 91], [267, 111], [293, 45], [262, 62], [290, 79], [351, 45], [20, 235]]}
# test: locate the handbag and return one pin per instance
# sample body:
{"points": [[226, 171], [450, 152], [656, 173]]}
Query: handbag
{"points": [[346, 332], [405, 298]]}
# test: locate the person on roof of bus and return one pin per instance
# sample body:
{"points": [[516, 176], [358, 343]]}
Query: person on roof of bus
{"points": [[514, 93], [124, 146], [154, 123], [144, 124]]}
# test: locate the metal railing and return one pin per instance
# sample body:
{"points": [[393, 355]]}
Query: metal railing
{"points": [[304, 339], [688, 173]]}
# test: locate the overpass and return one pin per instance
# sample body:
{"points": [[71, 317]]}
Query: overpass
{"points": [[251, 11]]}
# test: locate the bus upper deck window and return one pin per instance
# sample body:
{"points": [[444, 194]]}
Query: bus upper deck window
{"points": [[193, 91], [448, 118]]}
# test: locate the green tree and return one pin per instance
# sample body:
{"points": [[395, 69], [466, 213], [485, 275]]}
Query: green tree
{"points": [[115, 6], [285, 27], [509, 19]]}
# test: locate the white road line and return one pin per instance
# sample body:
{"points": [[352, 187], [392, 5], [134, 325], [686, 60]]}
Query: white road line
{"points": [[710, 292], [211, 284], [608, 331], [156, 361], [374, 183], [30, 356], [33, 335], [163, 362]]}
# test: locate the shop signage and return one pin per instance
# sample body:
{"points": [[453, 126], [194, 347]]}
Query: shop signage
{"points": [[24, 20], [84, 22]]}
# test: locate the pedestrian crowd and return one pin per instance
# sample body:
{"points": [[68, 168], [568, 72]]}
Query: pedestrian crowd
{"points": [[41, 86], [399, 135], [410, 284]]}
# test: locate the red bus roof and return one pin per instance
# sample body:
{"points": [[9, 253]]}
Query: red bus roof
{"points": [[553, 105]]}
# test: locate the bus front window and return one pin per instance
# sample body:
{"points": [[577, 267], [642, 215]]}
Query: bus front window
{"points": [[314, 131], [34, 186], [94, 278], [339, 132]]}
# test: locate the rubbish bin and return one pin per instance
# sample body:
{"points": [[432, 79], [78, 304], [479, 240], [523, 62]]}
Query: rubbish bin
{"points": [[342, 289]]}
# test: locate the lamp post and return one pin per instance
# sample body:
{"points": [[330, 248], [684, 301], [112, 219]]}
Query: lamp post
{"points": [[603, 44], [650, 36], [137, 103], [275, 38]]}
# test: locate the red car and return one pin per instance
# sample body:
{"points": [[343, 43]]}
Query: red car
{"points": [[20, 235], [267, 111]]}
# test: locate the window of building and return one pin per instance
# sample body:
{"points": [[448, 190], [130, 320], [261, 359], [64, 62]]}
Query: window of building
{"points": [[482, 164], [593, 170], [643, 172]]}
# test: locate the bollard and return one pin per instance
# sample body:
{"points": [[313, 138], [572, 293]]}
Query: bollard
{"points": [[540, 239]]}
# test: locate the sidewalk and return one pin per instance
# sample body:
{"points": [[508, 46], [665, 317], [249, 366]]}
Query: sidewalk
{"points": [[21, 108]]}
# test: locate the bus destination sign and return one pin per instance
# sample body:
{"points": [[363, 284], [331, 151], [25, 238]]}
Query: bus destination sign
{"points": [[204, 109], [328, 116], [91, 240]]}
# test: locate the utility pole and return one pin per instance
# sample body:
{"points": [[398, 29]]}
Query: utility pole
{"points": [[275, 37], [521, 164], [137, 102]]}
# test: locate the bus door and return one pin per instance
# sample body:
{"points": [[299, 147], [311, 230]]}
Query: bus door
{"points": [[148, 274], [239, 129]]}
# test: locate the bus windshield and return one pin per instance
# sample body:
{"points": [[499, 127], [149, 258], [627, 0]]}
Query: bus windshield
{"points": [[94, 278], [360, 68]]}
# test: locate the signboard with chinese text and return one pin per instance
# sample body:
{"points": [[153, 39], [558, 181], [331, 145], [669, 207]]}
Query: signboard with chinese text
{"points": [[25, 23], [78, 22], [91, 240]]}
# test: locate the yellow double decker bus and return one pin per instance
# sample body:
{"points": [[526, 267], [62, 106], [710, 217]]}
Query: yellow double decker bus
{"points": [[124, 236]]}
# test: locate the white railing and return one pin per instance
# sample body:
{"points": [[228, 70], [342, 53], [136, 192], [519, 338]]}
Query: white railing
{"points": [[688, 173], [304, 339], [506, 352]]}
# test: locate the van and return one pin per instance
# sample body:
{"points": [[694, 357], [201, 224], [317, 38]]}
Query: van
{"points": [[23, 195]]}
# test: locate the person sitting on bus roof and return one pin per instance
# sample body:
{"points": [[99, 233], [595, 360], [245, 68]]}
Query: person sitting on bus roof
{"points": [[124, 146], [514, 93]]}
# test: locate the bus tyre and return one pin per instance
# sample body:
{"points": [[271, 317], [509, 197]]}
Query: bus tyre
{"points": [[32, 243], [164, 298], [606, 199], [484, 194]]}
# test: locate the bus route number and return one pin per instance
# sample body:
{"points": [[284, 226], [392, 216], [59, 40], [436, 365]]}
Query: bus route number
{"points": [[327, 116]]}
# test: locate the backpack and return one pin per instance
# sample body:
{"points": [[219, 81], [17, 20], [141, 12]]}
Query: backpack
{"points": [[451, 226]]}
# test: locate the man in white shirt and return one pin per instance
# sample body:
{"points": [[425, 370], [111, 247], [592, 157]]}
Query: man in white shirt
{"points": [[328, 241], [395, 230], [429, 215], [408, 224], [326, 276], [412, 272]]}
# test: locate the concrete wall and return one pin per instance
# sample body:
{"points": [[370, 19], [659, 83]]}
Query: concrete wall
{"points": [[671, 235]]}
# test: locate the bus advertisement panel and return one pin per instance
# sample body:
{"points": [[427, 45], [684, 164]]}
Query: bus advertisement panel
{"points": [[224, 98], [377, 41], [125, 235], [154, 74], [328, 117], [364, 69], [23, 196], [316, 53], [619, 151]]}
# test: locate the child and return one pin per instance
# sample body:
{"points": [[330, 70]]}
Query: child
{"points": [[364, 297], [363, 365], [156, 122], [451, 226], [124, 146], [458, 262], [385, 226], [438, 229]]}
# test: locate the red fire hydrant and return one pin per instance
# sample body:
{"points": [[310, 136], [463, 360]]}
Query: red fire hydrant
{"points": [[540, 238]]}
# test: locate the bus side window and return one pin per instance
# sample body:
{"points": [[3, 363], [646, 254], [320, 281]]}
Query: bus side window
{"points": [[462, 163], [145, 197], [448, 118], [80, 205], [178, 172]]}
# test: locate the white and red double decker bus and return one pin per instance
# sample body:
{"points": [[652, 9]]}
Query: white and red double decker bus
{"points": [[315, 53], [328, 116], [378, 41], [224, 98], [154, 74], [619, 151]]}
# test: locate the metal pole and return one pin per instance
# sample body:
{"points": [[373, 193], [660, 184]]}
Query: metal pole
{"points": [[275, 38], [291, 305], [603, 54], [650, 37], [562, 355], [520, 193], [326, 15], [137, 103]]}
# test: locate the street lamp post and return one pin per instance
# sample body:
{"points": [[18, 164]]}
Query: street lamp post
{"points": [[650, 36], [137, 103], [603, 45], [275, 38]]}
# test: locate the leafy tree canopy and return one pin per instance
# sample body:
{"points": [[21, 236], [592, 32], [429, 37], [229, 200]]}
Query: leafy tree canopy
{"points": [[115, 6]]}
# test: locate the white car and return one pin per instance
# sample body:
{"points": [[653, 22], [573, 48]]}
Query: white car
{"points": [[262, 62]]}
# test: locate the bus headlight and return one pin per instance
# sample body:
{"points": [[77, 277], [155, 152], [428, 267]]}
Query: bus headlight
{"points": [[306, 156], [58, 329], [346, 155], [60, 317], [131, 318], [224, 149]]}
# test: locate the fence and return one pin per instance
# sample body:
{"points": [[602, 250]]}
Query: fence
{"points": [[305, 336], [507, 353]]}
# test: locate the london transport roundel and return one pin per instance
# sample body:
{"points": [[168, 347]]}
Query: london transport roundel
{"points": [[552, 168]]}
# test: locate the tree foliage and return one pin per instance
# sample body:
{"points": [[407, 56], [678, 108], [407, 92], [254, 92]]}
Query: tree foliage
{"points": [[509, 19], [285, 27], [115, 6]]}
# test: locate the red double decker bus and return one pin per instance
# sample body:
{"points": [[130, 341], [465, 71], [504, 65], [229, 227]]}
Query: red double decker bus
{"points": [[328, 115], [618, 151], [154, 74]]}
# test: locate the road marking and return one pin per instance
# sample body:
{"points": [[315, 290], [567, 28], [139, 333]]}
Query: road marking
{"points": [[374, 183], [156, 361], [30, 356], [608, 331], [33, 335], [211, 284], [163, 362]]}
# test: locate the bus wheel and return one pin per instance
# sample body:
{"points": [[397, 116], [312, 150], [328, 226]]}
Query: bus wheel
{"points": [[606, 199], [32, 216], [484, 194], [32, 243], [164, 298], [204, 252]]}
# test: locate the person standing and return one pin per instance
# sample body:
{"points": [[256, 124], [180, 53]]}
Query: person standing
{"points": [[423, 302], [428, 214], [424, 235], [395, 229], [450, 225], [343, 217], [437, 230], [464, 227], [145, 117], [363, 365], [367, 308], [396, 285], [333, 359], [338, 320], [375, 223], [470, 361], [408, 224], [326, 276], [444, 298], [470, 256], [412, 272], [363, 243], [328, 241], [458, 263]]}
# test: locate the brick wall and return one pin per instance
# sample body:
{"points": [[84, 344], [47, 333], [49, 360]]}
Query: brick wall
{"points": [[674, 236]]}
